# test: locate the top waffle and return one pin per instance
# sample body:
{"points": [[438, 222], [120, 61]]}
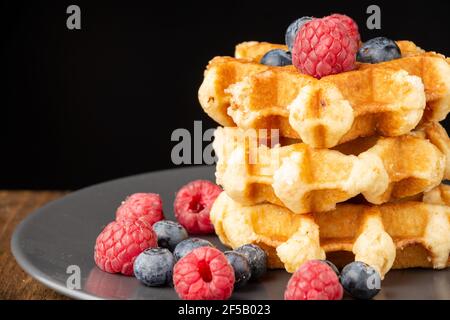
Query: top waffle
{"points": [[387, 99]]}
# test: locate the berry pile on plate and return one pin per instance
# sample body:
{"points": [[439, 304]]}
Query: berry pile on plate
{"points": [[159, 252], [329, 45]]}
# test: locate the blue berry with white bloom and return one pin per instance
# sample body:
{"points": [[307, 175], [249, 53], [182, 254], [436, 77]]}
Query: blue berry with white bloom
{"points": [[378, 50], [293, 29], [360, 280], [154, 267], [277, 58], [169, 234]]}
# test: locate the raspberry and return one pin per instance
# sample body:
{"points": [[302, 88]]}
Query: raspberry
{"points": [[323, 47], [193, 204], [143, 206], [203, 274], [349, 24], [118, 245], [314, 280]]}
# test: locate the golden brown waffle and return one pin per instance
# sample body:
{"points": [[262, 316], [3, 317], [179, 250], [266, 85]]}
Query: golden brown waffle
{"points": [[379, 98], [330, 111], [399, 235], [305, 179], [429, 66]]}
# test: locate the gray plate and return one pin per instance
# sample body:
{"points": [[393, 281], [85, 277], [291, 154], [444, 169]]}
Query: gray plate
{"points": [[63, 233]]}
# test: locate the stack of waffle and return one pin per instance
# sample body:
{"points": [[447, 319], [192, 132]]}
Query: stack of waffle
{"points": [[348, 167]]}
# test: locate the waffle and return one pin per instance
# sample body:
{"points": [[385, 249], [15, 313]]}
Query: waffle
{"points": [[429, 66], [397, 235], [374, 99], [305, 179]]}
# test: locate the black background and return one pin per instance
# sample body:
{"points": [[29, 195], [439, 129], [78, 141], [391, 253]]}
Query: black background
{"points": [[83, 106]]}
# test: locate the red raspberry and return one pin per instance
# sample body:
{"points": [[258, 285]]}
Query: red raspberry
{"points": [[323, 47], [143, 206], [314, 280], [193, 204], [118, 245], [349, 24], [203, 274]]}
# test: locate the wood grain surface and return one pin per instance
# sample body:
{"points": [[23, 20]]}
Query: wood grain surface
{"points": [[14, 282]]}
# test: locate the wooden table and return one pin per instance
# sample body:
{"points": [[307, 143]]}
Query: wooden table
{"points": [[14, 282]]}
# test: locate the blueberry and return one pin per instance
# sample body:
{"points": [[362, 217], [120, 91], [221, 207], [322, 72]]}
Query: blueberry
{"points": [[378, 50], [242, 272], [276, 57], [332, 266], [169, 234], [257, 258], [153, 267], [186, 246], [293, 29], [360, 280]]}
